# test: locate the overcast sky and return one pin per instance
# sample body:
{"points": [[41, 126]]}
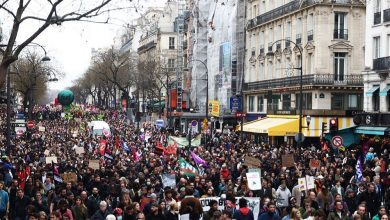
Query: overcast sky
{"points": [[69, 45]]}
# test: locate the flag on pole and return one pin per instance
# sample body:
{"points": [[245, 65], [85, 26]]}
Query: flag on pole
{"points": [[359, 169], [187, 168], [198, 160]]}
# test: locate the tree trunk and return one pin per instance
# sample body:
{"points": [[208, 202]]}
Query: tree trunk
{"points": [[3, 75]]}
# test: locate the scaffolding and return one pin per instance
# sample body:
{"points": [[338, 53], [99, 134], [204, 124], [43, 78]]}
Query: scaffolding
{"points": [[180, 54]]}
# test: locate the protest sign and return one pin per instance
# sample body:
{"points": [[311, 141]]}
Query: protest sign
{"points": [[316, 164], [46, 153], [51, 159], [251, 161], [310, 182], [302, 184], [69, 177], [42, 129], [288, 160], [253, 203], [254, 180], [79, 150], [168, 180], [94, 164]]}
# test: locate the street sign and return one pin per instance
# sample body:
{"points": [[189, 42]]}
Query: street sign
{"points": [[194, 123], [30, 124], [235, 103], [337, 141], [18, 124]]}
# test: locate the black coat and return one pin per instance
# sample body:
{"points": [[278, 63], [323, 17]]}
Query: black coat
{"points": [[372, 201]]}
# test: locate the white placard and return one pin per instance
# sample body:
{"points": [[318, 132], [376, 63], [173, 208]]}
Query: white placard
{"points": [[310, 182], [51, 159], [302, 184], [42, 129], [254, 180]]}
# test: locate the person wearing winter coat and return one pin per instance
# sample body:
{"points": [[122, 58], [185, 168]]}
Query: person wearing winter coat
{"points": [[270, 214], [244, 213]]}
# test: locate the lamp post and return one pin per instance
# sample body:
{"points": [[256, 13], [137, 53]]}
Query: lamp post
{"points": [[8, 91], [271, 54]]}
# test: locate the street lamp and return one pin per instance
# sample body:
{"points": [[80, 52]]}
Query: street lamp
{"points": [[8, 91], [271, 54]]}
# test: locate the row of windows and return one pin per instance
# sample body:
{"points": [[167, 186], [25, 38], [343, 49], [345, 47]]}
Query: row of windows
{"points": [[339, 101], [340, 31]]}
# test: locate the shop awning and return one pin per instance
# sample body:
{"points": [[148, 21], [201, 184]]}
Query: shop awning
{"points": [[371, 91], [274, 126], [371, 130], [384, 91]]}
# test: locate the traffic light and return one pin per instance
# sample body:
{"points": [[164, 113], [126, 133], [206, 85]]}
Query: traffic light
{"points": [[334, 125], [324, 126]]}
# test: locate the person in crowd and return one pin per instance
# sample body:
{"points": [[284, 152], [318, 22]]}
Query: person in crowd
{"points": [[102, 212], [213, 207], [381, 212], [173, 212], [338, 213], [270, 214], [79, 210], [4, 201]]}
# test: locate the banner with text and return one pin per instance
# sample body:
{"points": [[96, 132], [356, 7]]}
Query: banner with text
{"points": [[253, 203]]}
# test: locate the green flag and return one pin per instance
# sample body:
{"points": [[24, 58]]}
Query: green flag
{"points": [[187, 168]]}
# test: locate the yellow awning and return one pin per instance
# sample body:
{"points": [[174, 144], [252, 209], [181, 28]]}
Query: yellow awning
{"points": [[274, 125]]}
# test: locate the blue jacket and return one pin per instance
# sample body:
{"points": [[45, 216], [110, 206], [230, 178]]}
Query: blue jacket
{"points": [[269, 216]]}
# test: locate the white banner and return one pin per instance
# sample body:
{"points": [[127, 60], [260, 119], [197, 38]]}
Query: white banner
{"points": [[253, 204]]}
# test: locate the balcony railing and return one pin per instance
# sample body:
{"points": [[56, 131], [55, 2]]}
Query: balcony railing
{"points": [[146, 47], [340, 34], [377, 17], [293, 6], [312, 79], [386, 15], [310, 35], [382, 63], [278, 46]]}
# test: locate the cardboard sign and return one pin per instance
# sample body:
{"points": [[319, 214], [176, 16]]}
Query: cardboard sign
{"points": [[51, 159], [94, 164], [79, 150], [288, 160], [302, 184], [40, 128], [69, 177], [254, 180], [315, 164], [46, 153], [251, 161]]}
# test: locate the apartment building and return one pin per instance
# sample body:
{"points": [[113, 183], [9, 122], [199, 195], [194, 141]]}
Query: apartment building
{"points": [[327, 38], [376, 117]]}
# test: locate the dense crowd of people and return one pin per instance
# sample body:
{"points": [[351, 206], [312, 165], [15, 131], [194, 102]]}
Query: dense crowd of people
{"points": [[128, 184]]}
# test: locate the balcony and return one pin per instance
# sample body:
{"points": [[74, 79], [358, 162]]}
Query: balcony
{"points": [[310, 35], [269, 46], [311, 79], [294, 6], [381, 64], [386, 15], [146, 47], [340, 34], [377, 17]]}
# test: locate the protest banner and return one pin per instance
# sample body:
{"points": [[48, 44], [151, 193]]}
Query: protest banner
{"points": [[251, 161], [254, 180], [94, 164], [51, 159], [168, 180], [288, 160], [69, 177], [315, 164], [253, 203]]}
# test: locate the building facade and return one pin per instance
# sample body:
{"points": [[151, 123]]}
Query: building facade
{"points": [[325, 36]]}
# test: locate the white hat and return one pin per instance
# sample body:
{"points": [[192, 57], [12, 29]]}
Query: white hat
{"points": [[110, 217]]}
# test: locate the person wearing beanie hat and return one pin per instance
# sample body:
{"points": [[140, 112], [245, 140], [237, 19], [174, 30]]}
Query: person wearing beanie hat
{"points": [[243, 213]]}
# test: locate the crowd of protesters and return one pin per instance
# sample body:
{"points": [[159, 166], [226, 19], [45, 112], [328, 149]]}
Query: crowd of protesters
{"points": [[129, 186]]}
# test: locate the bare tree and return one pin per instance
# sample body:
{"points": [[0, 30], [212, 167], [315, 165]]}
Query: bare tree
{"points": [[31, 76], [51, 12]]}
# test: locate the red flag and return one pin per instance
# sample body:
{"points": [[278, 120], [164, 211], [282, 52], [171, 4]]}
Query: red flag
{"points": [[102, 147], [172, 147]]}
